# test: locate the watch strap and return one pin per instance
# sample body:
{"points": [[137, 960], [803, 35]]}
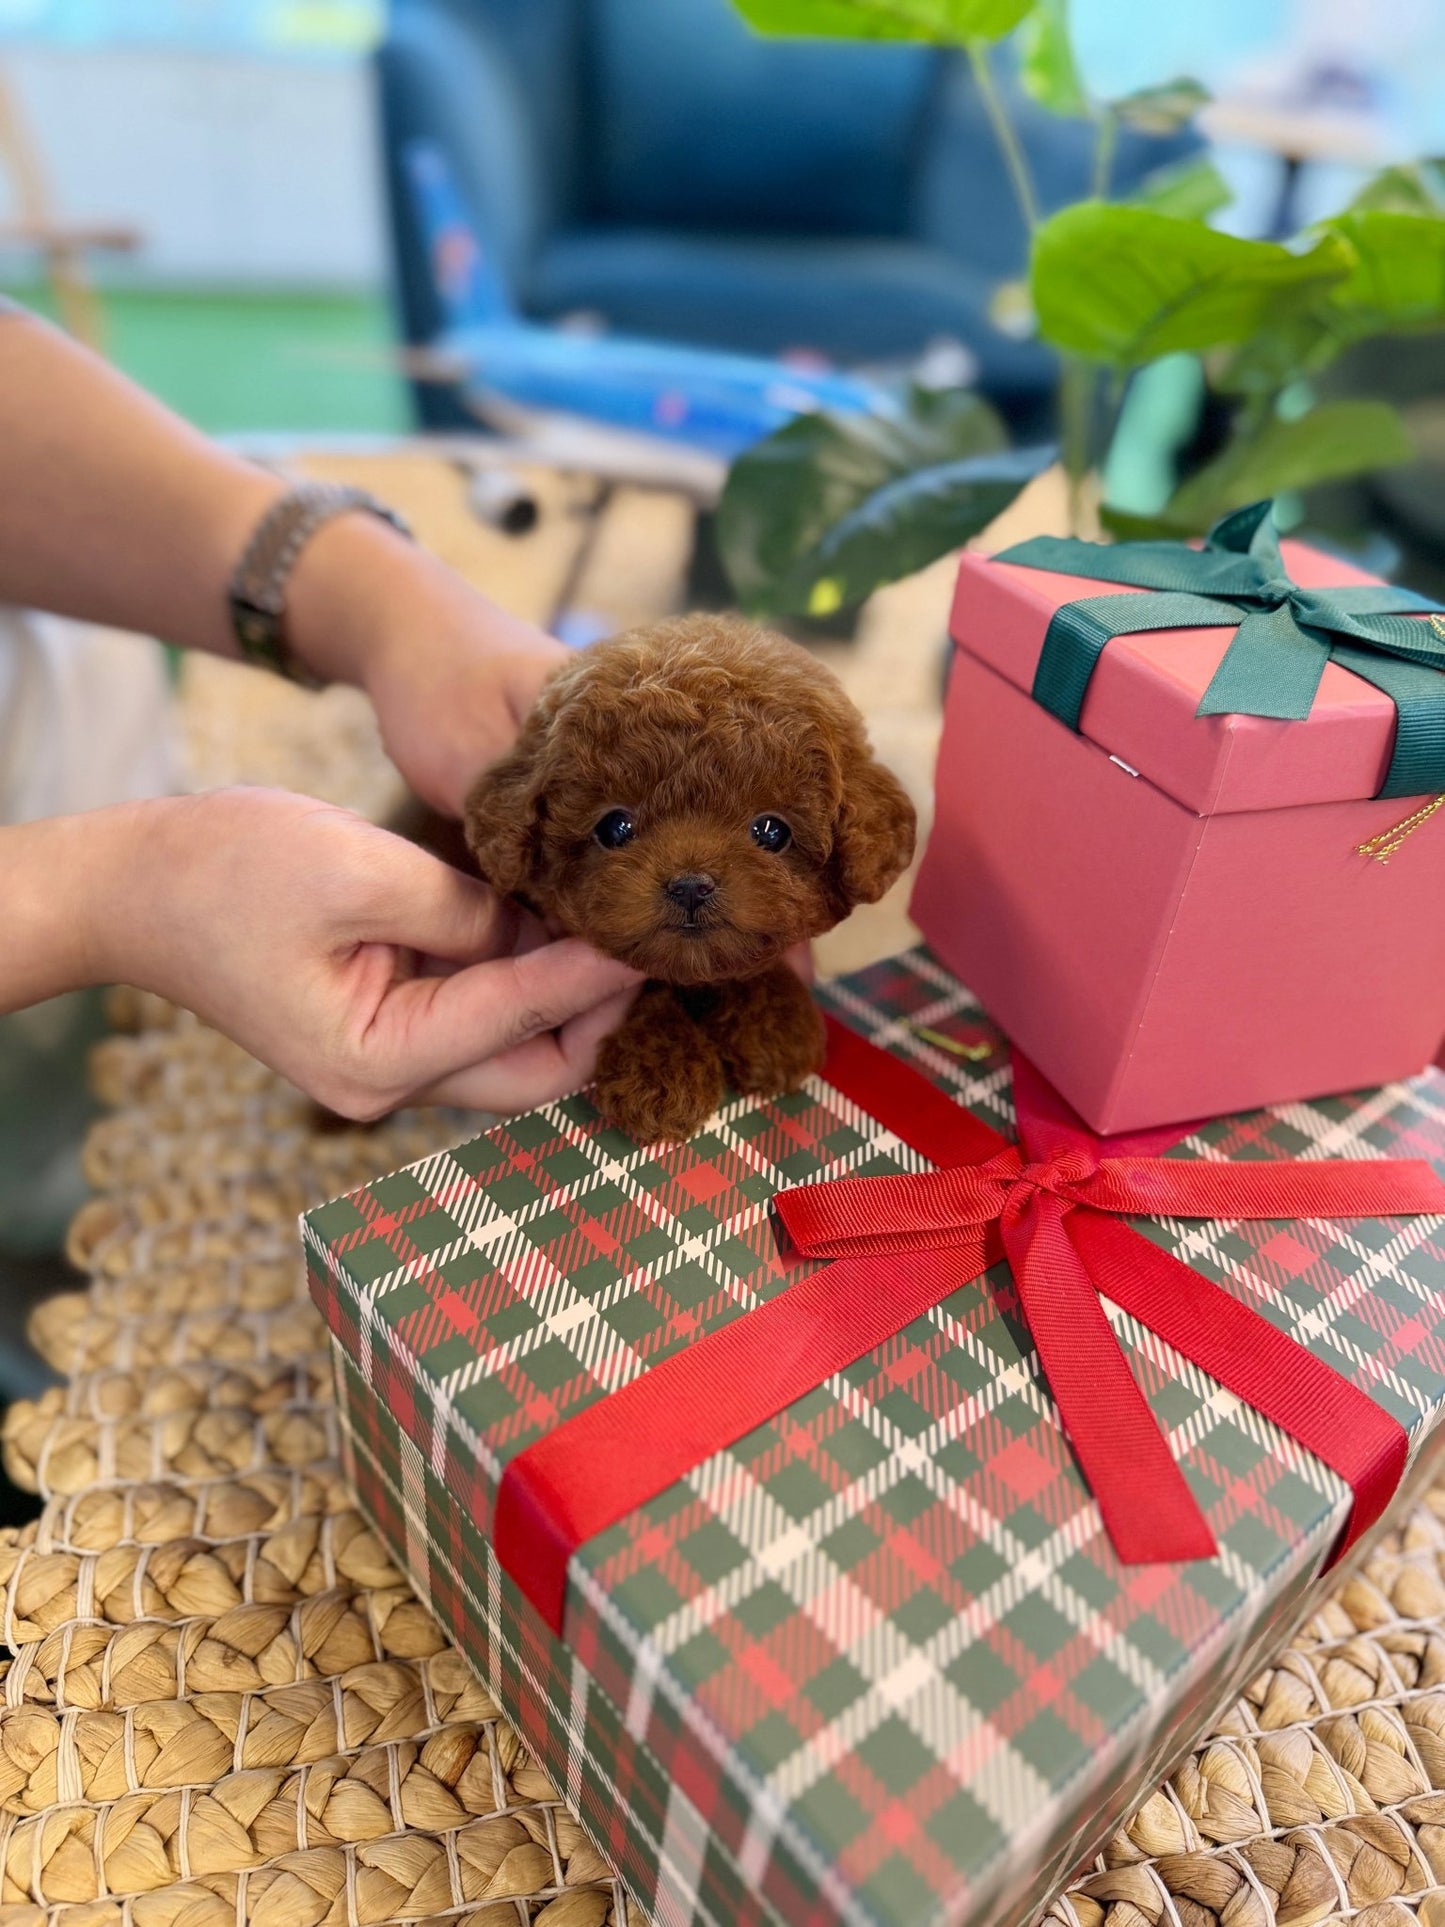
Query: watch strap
{"points": [[256, 592]]}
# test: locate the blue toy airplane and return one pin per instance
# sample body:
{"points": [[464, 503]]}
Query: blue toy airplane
{"points": [[514, 373]]}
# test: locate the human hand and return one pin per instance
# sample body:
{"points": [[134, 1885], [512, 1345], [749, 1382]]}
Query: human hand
{"points": [[452, 704], [450, 675], [364, 970]]}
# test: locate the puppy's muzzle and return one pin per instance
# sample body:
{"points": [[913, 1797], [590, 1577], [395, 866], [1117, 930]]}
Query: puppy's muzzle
{"points": [[690, 892]]}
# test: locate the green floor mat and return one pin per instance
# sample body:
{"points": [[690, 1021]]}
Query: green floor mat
{"points": [[236, 360]]}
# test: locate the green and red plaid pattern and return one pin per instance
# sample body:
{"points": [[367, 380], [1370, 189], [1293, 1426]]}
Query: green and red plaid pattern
{"points": [[878, 1658]]}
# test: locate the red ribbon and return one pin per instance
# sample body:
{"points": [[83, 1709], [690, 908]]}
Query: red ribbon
{"points": [[901, 1244]]}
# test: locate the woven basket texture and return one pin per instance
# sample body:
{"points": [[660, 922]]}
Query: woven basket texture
{"points": [[222, 1703]]}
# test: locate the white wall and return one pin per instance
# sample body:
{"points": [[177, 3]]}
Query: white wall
{"points": [[235, 168]]}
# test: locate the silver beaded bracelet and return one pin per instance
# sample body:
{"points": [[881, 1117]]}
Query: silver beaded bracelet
{"points": [[256, 592]]}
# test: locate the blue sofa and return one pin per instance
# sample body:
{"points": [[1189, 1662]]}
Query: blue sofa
{"points": [[657, 164]]}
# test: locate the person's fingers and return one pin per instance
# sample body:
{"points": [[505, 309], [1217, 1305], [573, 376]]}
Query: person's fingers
{"points": [[536, 1072], [431, 908], [429, 1027], [800, 959], [581, 1037], [532, 933]]}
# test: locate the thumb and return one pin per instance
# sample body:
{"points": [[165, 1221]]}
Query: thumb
{"points": [[429, 1027], [444, 913]]}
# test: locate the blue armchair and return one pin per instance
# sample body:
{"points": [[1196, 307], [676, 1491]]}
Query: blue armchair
{"points": [[655, 163]]}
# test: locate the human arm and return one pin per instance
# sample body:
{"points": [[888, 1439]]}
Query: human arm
{"points": [[114, 510]]}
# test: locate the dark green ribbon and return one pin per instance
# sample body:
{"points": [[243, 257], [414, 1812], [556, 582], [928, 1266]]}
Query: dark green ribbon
{"points": [[1286, 633]]}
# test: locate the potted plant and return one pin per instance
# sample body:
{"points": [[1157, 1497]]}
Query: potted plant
{"points": [[829, 508]]}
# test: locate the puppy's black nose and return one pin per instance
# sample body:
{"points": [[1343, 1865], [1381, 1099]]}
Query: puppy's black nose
{"points": [[690, 890]]}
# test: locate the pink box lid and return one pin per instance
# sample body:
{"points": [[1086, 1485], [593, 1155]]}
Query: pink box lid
{"points": [[1145, 689]]}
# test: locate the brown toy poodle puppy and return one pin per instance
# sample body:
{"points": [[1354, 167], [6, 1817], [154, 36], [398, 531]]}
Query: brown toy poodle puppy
{"points": [[694, 797]]}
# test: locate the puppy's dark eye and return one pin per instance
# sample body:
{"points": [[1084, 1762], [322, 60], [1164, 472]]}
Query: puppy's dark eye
{"points": [[771, 833], [615, 829]]}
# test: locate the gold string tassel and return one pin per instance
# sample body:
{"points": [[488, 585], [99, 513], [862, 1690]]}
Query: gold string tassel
{"points": [[975, 1053], [1384, 845]]}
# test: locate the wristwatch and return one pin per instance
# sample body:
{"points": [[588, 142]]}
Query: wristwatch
{"points": [[256, 591]]}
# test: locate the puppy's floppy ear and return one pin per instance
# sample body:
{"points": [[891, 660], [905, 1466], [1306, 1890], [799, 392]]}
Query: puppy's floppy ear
{"points": [[872, 834], [503, 813]]}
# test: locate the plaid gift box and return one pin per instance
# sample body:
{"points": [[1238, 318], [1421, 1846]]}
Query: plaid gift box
{"points": [[877, 1662]]}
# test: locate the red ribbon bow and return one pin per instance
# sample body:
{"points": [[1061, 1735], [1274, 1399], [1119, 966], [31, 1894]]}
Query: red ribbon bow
{"points": [[1051, 1198], [901, 1244]]}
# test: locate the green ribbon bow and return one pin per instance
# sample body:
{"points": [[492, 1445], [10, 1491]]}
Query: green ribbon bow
{"points": [[1286, 633]]}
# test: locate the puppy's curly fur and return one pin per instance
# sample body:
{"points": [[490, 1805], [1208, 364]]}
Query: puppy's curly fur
{"points": [[697, 731]]}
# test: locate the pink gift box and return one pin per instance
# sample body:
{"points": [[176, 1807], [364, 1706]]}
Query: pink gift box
{"points": [[1171, 914]]}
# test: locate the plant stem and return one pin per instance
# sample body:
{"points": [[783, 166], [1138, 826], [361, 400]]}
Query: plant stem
{"points": [[1003, 129], [1104, 152], [1076, 407], [1256, 409], [1109, 409]]}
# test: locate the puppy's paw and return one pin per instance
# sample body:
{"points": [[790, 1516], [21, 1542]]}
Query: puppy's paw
{"points": [[653, 1100], [658, 1077], [769, 1033]]}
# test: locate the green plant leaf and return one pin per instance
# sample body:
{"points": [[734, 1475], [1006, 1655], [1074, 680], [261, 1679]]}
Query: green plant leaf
{"points": [[830, 507], [1397, 279], [1299, 342], [950, 21], [1395, 284], [1415, 188], [1127, 526], [828, 19], [1189, 190], [1048, 70], [911, 522], [1162, 110], [1336, 439], [1124, 285]]}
